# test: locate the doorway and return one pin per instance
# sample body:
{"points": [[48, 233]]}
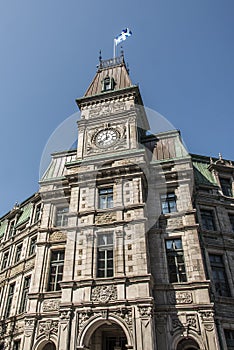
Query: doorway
{"points": [[108, 337], [49, 346]]}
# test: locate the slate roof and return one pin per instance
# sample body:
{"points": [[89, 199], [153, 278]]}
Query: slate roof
{"points": [[114, 68]]}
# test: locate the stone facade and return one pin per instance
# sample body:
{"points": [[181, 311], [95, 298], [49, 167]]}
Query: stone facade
{"points": [[117, 250]]}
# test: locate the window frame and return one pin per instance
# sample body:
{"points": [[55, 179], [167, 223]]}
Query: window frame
{"points": [[62, 219], [175, 254], [208, 222], [105, 197], [24, 293], [219, 267], [11, 231], [55, 264], [5, 262], [105, 262], [10, 297], [30, 253], [226, 186], [37, 212], [168, 203], [17, 257]]}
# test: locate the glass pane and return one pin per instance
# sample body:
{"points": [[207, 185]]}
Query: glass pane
{"points": [[109, 272], [178, 243]]}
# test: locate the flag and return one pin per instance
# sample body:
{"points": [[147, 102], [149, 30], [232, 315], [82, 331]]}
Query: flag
{"points": [[123, 36]]}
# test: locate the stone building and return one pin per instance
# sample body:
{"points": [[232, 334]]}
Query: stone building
{"points": [[129, 242]]}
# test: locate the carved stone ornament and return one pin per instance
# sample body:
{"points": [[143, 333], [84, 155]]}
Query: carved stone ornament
{"points": [[65, 315], [107, 108], [145, 311], [180, 298], [104, 294], [207, 316], [28, 327], [126, 314], [19, 327], [17, 269], [47, 328], [83, 317], [185, 322], [29, 264], [58, 236], [105, 218], [50, 305]]}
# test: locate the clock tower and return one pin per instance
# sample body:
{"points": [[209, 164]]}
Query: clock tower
{"points": [[112, 114]]}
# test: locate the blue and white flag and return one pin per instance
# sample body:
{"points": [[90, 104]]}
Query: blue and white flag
{"points": [[123, 36]]}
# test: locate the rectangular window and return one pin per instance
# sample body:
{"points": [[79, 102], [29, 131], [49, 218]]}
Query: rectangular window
{"points": [[18, 252], [219, 275], [105, 251], [32, 248], [56, 269], [229, 336], [105, 197], [5, 260], [175, 260], [11, 229], [9, 299], [25, 291], [207, 218], [16, 345], [231, 218], [61, 218], [37, 213], [168, 203], [226, 186]]}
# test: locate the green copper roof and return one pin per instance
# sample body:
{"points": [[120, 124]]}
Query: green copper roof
{"points": [[3, 227], [202, 175], [25, 215]]}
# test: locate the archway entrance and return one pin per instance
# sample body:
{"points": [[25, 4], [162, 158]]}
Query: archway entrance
{"points": [[108, 337], [188, 344], [49, 346]]}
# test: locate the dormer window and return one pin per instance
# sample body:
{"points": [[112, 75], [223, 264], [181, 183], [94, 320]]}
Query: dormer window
{"points": [[226, 186], [108, 84]]}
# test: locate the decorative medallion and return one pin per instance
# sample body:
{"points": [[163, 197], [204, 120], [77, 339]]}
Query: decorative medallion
{"points": [[104, 294]]}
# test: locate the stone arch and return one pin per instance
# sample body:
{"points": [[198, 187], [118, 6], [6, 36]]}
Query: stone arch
{"points": [[94, 323], [190, 342], [42, 342]]}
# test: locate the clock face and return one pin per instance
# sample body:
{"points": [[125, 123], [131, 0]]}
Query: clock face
{"points": [[106, 138]]}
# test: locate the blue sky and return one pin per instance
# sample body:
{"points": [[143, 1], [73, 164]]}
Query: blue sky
{"points": [[181, 54]]}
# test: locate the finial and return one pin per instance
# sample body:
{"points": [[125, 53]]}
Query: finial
{"points": [[220, 156], [100, 55], [122, 51], [211, 160], [16, 205], [127, 66]]}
